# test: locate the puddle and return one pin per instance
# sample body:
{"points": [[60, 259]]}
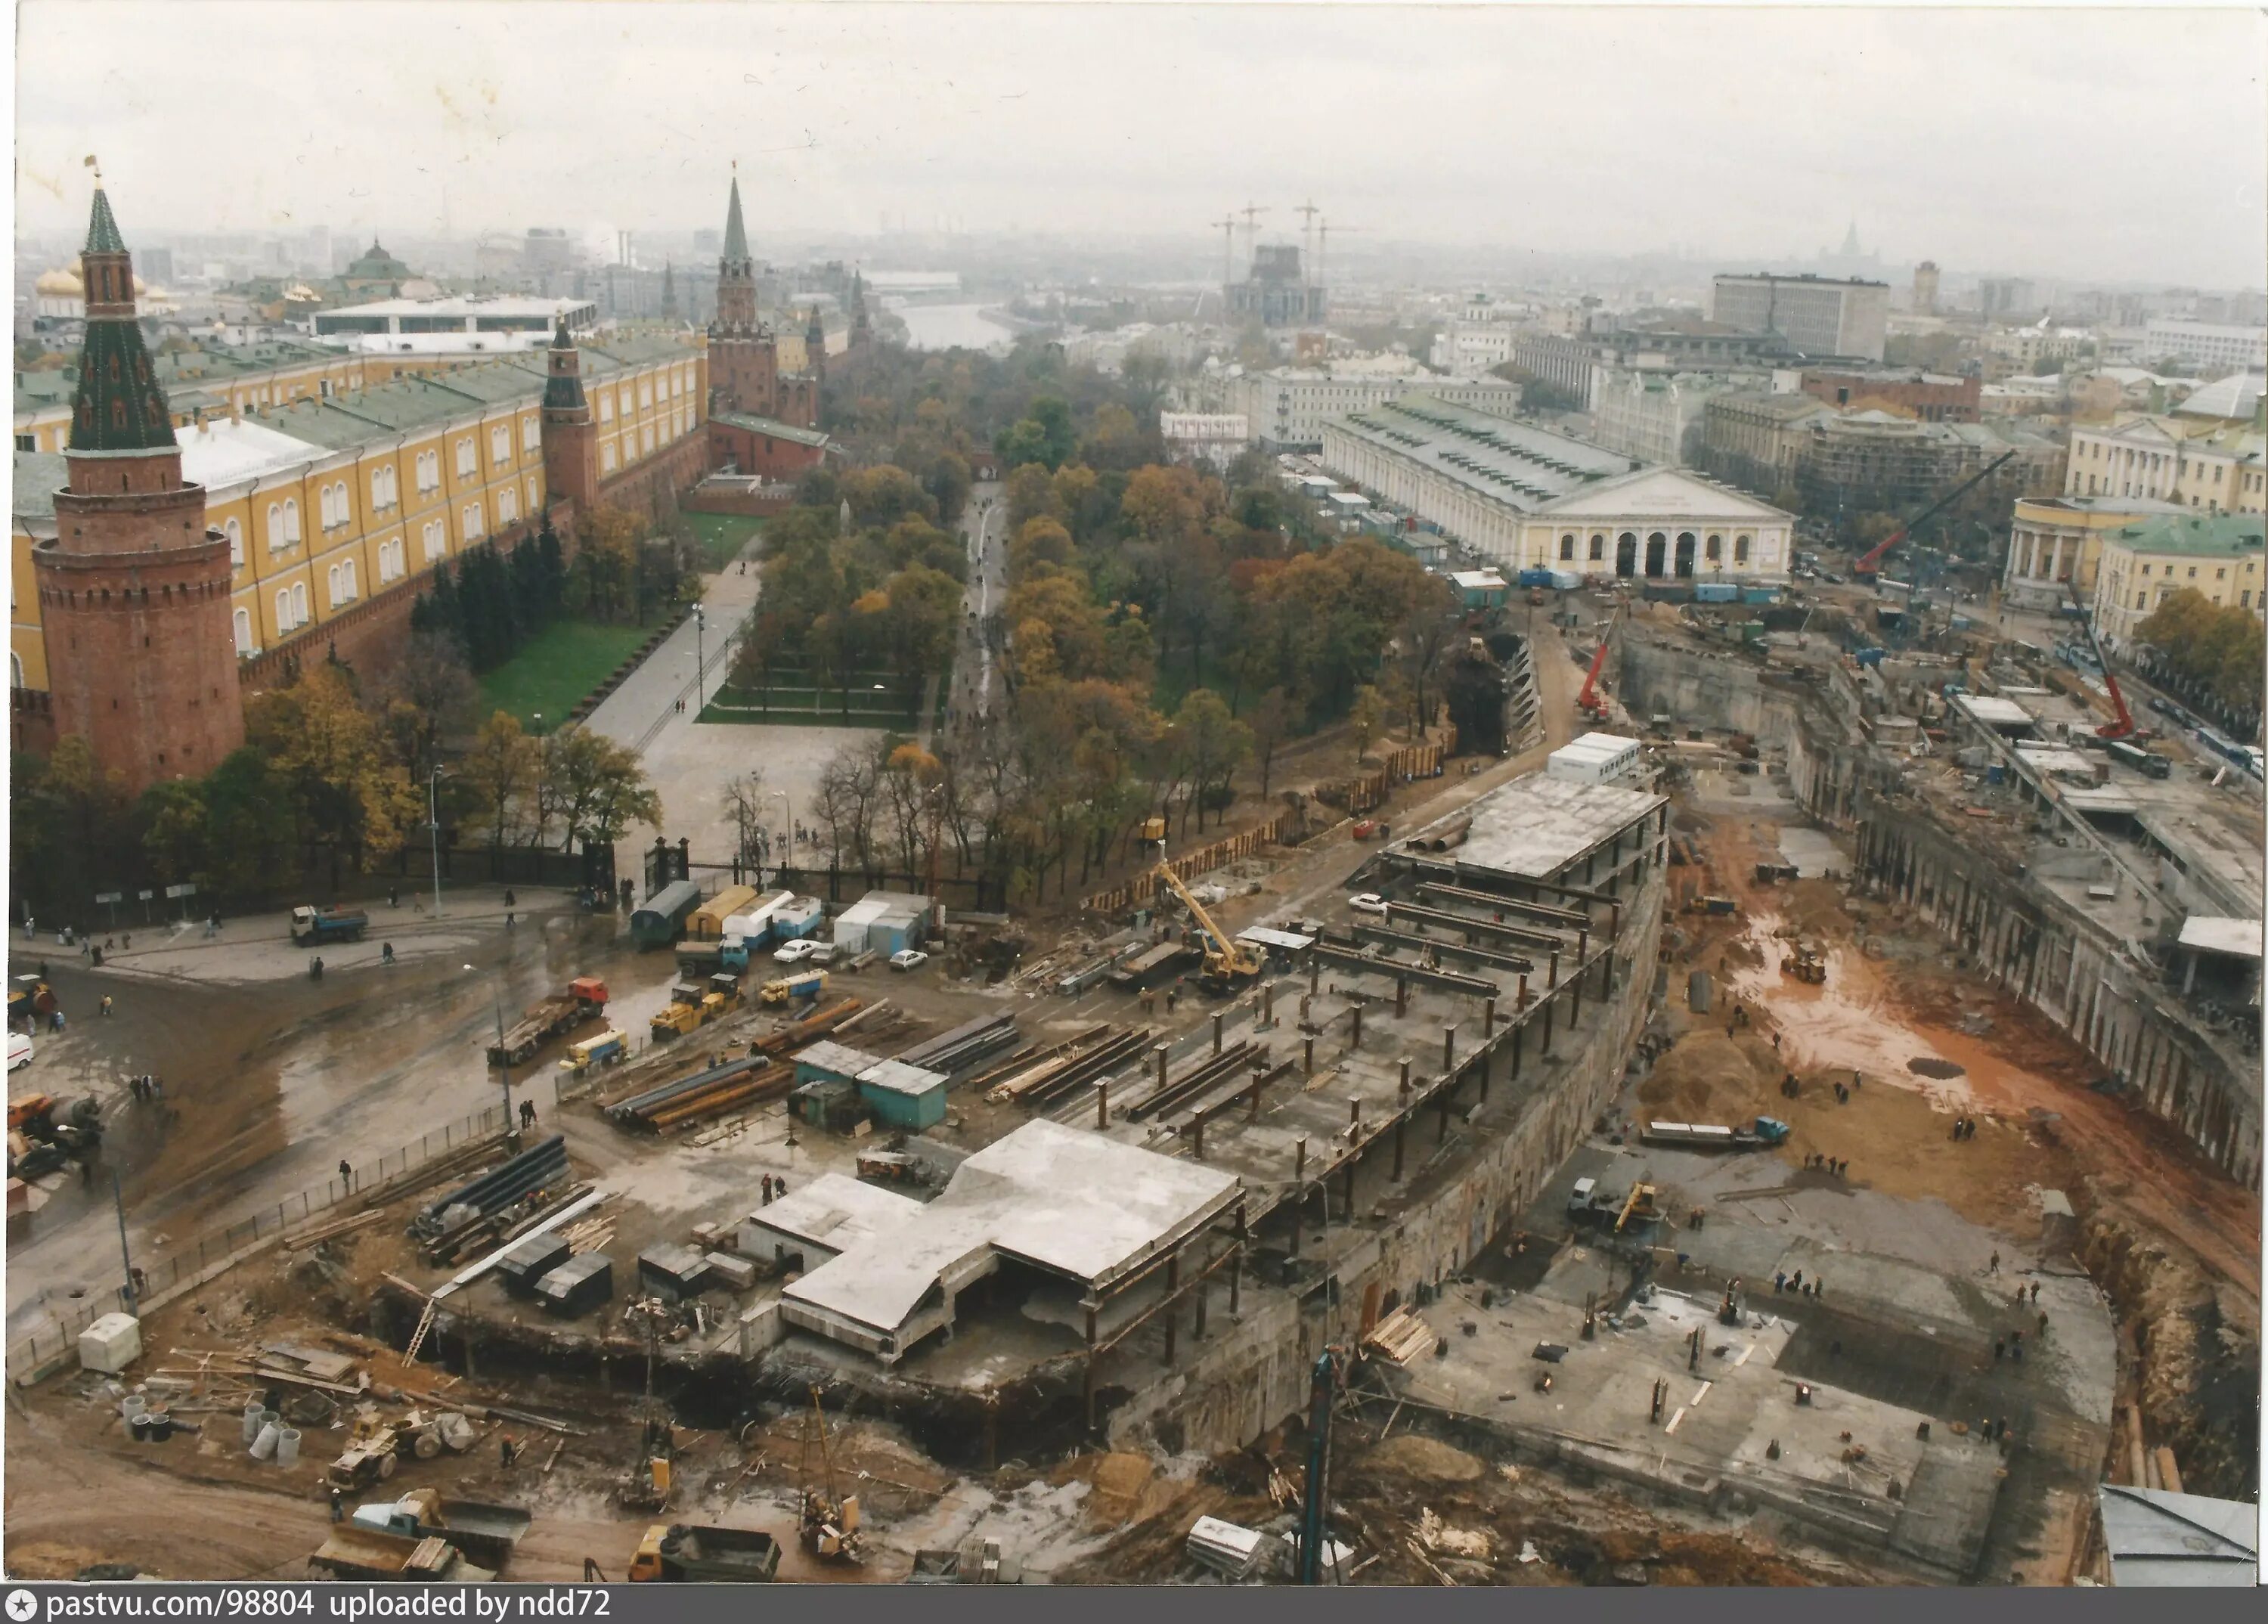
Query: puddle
{"points": [[1848, 1022]]}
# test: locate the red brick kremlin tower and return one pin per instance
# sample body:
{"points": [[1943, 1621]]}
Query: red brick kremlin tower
{"points": [[134, 589], [743, 358]]}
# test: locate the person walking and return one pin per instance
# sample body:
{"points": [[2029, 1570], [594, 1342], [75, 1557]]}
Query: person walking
{"points": [[338, 1505], [1993, 1266], [105, 1006], [508, 1451]]}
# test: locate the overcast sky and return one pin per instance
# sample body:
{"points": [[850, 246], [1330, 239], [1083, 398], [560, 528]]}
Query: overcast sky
{"points": [[2112, 143]]}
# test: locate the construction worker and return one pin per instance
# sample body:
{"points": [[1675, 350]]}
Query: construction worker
{"points": [[508, 1451], [338, 1505], [1993, 1266]]}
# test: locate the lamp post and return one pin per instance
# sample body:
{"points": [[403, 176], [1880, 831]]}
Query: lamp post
{"points": [[433, 810], [700, 659], [503, 1067], [789, 839]]}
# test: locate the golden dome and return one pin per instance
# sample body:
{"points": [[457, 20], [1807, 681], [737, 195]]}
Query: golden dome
{"points": [[60, 282]]}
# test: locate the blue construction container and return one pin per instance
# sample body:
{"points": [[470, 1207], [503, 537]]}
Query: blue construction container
{"points": [[1717, 592]]}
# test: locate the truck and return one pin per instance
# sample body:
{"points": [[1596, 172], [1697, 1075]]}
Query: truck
{"points": [[582, 1000], [1713, 1136], [609, 1048], [485, 1532], [2147, 763], [311, 926], [799, 988], [353, 1553], [680, 1553]]}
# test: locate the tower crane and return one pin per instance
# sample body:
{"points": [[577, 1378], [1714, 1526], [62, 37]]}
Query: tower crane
{"points": [[1227, 226]]}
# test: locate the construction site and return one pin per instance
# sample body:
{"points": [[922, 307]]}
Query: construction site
{"points": [[1806, 1134]]}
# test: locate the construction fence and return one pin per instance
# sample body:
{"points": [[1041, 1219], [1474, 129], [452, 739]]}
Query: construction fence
{"points": [[192, 1262]]}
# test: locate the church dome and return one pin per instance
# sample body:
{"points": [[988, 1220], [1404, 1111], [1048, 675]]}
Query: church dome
{"points": [[60, 282]]}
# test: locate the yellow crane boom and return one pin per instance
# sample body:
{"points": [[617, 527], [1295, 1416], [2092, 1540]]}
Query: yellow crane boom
{"points": [[1229, 960]]}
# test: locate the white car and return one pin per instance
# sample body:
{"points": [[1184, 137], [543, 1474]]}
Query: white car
{"points": [[795, 952], [908, 958], [19, 1051], [1368, 902]]}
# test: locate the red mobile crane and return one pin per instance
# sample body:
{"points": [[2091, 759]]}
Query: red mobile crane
{"points": [[1590, 701], [1873, 560], [2122, 726]]}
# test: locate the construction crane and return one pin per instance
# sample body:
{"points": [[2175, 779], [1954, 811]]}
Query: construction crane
{"points": [[1316, 1498], [1590, 702], [1872, 562], [2122, 725], [1639, 1206], [1228, 251], [1226, 963], [829, 1522]]}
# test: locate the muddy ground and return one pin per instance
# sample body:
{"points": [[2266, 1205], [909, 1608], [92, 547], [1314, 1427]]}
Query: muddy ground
{"points": [[2174, 1244]]}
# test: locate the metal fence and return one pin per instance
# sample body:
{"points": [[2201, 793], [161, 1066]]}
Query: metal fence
{"points": [[191, 1261]]}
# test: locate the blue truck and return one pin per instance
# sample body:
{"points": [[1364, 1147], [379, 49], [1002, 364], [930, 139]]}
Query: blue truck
{"points": [[312, 926]]}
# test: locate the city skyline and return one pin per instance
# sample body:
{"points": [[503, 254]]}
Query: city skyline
{"points": [[1007, 118]]}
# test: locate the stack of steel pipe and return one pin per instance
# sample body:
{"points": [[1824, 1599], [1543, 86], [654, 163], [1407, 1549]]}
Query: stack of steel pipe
{"points": [[768, 1082]]}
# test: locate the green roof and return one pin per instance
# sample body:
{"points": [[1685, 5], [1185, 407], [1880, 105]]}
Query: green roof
{"points": [[773, 426], [736, 234], [38, 474], [102, 235], [2221, 537]]}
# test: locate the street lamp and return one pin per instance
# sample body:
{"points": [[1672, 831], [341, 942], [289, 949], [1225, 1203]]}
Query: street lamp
{"points": [[700, 661], [433, 810], [503, 1066], [789, 841]]}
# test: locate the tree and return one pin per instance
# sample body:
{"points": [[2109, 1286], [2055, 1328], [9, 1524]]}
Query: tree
{"points": [[1272, 725], [1210, 744], [175, 832], [606, 563], [1042, 540], [746, 801], [429, 695], [1367, 717], [343, 780], [594, 788], [251, 825], [504, 772]]}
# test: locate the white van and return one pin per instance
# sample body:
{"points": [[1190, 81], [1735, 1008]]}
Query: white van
{"points": [[19, 1051]]}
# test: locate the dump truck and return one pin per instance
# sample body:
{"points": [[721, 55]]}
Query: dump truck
{"points": [[484, 1531], [313, 926], [1714, 1136], [679, 1552], [682, 1012], [584, 999], [795, 989], [609, 1048], [353, 1553]]}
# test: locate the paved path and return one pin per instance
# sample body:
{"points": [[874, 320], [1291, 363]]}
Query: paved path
{"points": [[984, 527]]}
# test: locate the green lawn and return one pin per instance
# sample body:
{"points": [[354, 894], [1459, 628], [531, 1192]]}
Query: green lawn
{"points": [[557, 669], [721, 536]]}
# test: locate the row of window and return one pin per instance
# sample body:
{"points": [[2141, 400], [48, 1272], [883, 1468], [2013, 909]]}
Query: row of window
{"points": [[1714, 551]]}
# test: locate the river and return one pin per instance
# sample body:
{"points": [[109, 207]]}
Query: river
{"points": [[950, 327]]}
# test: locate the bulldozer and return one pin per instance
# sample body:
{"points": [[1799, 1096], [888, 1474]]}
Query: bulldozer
{"points": [[1805, 965]]}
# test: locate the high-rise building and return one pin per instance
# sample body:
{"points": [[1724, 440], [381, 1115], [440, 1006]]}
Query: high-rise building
{"points": [[1817, 316], [1276, 292], [1924, 288], [134, 589]]}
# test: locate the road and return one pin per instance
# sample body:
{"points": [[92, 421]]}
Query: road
{"points": [[984, 526]]}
